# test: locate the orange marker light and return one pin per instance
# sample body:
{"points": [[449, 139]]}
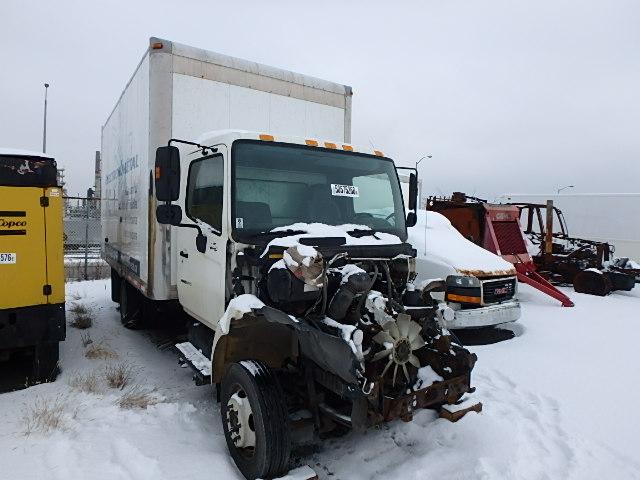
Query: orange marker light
{"points": [[378, 153], [265, 137], [462, 298], [348, 148], [311, 143], [157, 46], [157, 173], [330, 145]]}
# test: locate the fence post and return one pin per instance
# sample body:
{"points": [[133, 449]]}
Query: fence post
{"points": [[86, 239]]}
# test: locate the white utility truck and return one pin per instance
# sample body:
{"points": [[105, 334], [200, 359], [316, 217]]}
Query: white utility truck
{"points": [[285, 249], [479, 286]]}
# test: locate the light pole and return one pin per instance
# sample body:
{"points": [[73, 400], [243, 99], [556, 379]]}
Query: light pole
{"points": [[418, 162], [565, 187], [44, 129]]}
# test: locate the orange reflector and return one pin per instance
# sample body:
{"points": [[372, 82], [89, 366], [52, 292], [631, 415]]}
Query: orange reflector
{"points": [[275, 255], [348, 148], [378, 153], [268, 138], [157, 46], [330, 145], [311, 143], [462, 298], [157, 173]]}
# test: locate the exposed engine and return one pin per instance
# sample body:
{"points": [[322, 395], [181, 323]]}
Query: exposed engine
{"points": [[391, 328]]}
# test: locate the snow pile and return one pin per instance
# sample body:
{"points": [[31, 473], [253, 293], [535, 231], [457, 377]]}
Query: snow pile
{"points": [[447, 249], [426, 377], [237, 308]]}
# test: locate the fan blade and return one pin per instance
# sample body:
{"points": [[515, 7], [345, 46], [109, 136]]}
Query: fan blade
{"points": [[414, 330], [383, 337], [413, 360], [403, 322], [417, 343], [382, 354], [392, 328], [395, 373], [406, 372], [386, 368]]}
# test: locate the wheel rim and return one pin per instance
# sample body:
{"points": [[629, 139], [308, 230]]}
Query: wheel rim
{"points": [[240, 423]]}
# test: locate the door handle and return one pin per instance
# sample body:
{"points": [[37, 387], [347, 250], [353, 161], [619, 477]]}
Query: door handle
{"points": [[184, 254]]}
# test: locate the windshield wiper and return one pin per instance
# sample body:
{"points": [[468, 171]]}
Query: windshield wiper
{"points": [[359, 232], [278, 233]]}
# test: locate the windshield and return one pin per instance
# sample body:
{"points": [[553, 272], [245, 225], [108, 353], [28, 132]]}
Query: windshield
{"points": [[279, 185]]}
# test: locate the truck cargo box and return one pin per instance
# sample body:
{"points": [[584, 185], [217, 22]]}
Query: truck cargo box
{"points": [[181, 92]]}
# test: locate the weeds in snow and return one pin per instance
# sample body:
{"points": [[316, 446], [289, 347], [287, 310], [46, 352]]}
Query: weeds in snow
{"points": [[45, 415], [85, 338], [119, 375], [78, 309], [82, 316], [99, 350], [85, 382], [137, 397], [75, 296]]}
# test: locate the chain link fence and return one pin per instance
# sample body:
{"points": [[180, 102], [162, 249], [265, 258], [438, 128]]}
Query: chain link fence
{"points": [[82, 240]]}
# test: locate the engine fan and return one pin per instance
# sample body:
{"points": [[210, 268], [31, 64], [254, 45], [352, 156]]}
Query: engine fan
{"points": [[399, 338]]}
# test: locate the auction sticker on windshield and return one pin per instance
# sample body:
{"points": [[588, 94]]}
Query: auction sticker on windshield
{"points": [[6, 258], [344, 190]]}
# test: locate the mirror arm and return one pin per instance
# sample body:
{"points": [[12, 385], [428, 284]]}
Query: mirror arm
{"points": [[191, 225], [186, 142]]}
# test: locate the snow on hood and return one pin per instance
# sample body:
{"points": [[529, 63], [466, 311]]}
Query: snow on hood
{"points": [[16, 152], [444, 244], [324, 230]]}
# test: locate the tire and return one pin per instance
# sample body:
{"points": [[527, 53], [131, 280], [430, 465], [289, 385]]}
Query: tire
{"points": [[130, 306], [592, 283], [269, 457], [45, 362]]}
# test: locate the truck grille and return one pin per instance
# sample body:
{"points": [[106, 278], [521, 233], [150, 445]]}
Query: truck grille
{"points": [[509, 238], [494, 291]]}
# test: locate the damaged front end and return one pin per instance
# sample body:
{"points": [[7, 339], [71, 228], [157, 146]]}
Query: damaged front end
{"points": [[369, 347]]}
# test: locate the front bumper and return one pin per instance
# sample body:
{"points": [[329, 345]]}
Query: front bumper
{"points": [[485, 316]]}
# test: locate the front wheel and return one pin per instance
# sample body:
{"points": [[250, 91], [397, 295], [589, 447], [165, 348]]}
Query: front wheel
{"points": [[254, 419]]}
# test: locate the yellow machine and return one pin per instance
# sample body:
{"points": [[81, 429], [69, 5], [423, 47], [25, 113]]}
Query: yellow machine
{"points": [[32, 314]]}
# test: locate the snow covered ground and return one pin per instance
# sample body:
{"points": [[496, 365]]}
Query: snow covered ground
{"points": [[560, 402]]}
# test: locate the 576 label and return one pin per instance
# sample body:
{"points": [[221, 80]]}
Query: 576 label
{"points": [[7, 258]]}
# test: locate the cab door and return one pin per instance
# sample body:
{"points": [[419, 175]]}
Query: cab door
{"points": [[201, 275]]}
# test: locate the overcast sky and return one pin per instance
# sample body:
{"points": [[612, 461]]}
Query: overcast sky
{"points": [[508, 96]]}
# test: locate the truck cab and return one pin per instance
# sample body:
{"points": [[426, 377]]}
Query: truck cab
{"points": [[292, 262]]}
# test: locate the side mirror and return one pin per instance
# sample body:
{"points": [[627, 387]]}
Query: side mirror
{"points": [[413, 192], [169, 214], [167, 173], [411, 220]]}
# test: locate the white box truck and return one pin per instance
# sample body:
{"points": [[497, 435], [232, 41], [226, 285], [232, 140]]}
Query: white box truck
{"points": [[283, 243]]}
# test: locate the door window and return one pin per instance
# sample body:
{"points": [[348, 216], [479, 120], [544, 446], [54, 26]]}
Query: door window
{"points": [[204, 191]]}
